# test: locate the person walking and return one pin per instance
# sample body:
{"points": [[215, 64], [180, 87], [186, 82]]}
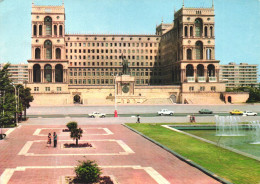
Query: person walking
{"points": [[55, 139], [49, 140], [138, 118]]}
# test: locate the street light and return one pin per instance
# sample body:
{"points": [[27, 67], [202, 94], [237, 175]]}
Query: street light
{"points": [[1, 137], [115, 113], [16, 103]]}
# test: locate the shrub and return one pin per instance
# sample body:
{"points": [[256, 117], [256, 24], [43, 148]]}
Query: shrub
{"points": [[87, 172], [72, 125], [76, 133]]}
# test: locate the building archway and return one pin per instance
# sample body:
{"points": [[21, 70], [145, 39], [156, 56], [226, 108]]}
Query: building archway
{"points": [[198, 27], [199, 50], [229, 99], [48, 49], [76, 99], [200, 70], [58, 53], [58, 73], [48, 73], [211, 70], [36, 73], [189, 70], [48, 24], [173, 98], [37, 53]]}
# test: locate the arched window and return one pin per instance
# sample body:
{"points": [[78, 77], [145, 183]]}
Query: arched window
{"points": [[198, 27], [211, 70], [58, 73], [206, 31], [189, 54], [191, 31], [48, 24], [36, 73], [200, 70], [58, 53], [211, 31], [189, 70], [40, 30], [186, 31], [199, 50], [208, 54], [34, 30], [55, 30], [48, 49], [48, 73], [61, 31], [37, 53]]}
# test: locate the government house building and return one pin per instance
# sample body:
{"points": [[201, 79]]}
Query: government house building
{"points": [[175, 65]]}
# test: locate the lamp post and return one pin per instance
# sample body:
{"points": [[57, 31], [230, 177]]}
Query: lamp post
{"points": [[3, 114], [115, 113], [16, 103]]}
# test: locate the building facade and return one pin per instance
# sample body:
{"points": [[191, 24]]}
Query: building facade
{"points": [[239, 75], [177, 63], [18, 72]]}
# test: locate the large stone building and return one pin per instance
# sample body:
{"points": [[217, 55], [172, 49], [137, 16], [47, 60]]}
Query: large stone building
{"points": [[18, 72], [177, 64], [239, 75]]}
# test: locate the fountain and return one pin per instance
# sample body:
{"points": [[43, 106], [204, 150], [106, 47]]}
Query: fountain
{"points": [[255, 127], [227, 126]]}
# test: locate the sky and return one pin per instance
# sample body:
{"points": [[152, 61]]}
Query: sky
{"points": [[237, 23]]}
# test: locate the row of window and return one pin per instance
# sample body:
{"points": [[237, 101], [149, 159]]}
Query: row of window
{"points": [[109, 57], [133, 73], [114, 44], [146, 51], [47, 89], [202, 88], [114, 64], [111, 81]]}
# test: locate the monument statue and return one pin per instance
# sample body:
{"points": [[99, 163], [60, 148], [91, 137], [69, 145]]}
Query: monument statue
{"points": [[126, 69]]}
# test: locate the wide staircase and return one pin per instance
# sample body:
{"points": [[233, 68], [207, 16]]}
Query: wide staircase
{"points": [[158, 101], [206, 98]]}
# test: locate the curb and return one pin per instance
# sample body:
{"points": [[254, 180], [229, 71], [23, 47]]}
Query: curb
{"points": [[191, 163]]}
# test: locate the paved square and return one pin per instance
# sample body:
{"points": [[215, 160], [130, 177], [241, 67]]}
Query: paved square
{"points": [[121, 153]]}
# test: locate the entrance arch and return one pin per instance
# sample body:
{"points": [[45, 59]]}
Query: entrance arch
{"points": [[76, 99], [174, 98], [229, 99]]}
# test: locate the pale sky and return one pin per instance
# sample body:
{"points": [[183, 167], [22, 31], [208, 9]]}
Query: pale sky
{"points": [[237, 23]]}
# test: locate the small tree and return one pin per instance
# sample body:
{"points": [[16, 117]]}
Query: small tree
{"points": [[76, 134], [72, 125], [87, 172]]}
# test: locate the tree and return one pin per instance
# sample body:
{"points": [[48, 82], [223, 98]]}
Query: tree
{"points": [[25, 98], [87, 172], [72, 125], [76, 133], [7, 100]]}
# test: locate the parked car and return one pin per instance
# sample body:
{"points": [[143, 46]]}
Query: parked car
{"points": [[97, 114], [236, 112], [205, 111], [165, 112], [250, 113]]}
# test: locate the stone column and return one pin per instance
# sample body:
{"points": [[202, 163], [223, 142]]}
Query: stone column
{"points": [[195, 74], [206, 74], [58, 30], [183, 75], [42, 76], [53, 75], [217, 74]]}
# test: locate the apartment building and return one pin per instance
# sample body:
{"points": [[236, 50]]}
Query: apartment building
{"points": [[237, 75], [18, 72]]}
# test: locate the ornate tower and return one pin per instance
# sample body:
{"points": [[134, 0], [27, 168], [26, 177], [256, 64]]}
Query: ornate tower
{"points": [[48, 66]]}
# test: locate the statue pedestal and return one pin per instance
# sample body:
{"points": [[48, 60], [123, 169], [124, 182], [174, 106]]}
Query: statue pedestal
{"points": [[125, 90], [125, 85]]}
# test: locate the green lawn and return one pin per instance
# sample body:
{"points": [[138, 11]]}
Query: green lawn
{"points": [[229, 165]]}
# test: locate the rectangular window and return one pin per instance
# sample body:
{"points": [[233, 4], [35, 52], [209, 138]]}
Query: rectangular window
{"points": [[58, 88], [202, 88], [36, 88], [191, 88], [47, 89]]}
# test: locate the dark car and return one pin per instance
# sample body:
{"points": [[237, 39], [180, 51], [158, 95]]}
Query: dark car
{"points": [[205, 111]]}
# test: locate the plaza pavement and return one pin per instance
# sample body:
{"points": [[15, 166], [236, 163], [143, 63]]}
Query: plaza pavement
{"points": [[122, 154]]}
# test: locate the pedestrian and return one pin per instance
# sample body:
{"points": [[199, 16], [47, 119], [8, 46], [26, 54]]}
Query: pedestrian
{"points": [[191, 118], [55, 139], [138, 118], [49, 140], [194, 119]]}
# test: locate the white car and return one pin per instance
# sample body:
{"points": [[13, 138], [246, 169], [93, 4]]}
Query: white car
{"points": [[249, 113], [165, 112], [97, 114]]}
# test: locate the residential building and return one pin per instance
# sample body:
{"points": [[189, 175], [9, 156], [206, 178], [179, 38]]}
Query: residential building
{"points": [[239, 75], [18, 72]]}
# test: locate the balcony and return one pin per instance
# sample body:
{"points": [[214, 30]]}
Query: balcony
{"points": [[212, 79], [190, 79], [201, 79]]}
